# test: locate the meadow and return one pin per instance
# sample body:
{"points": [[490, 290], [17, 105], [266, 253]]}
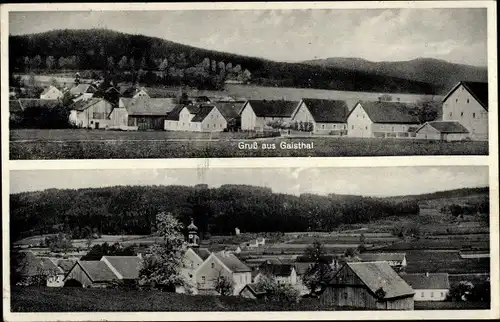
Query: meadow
{"points": [[84, 144]]}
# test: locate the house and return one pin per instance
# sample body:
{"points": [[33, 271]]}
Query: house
{"points": [[258, 115], [467, 103], [90, 274], [92, 113], [143, 113], [474, 254], [253, 291], [428, 287], [381, 120], [326, 116], [83, 91], [231, 112], [222, 264], [32, 267], [135, 92], [395, 260], [203, 118], [442, 130], [283, 273], [51, 93], [373, 285]]}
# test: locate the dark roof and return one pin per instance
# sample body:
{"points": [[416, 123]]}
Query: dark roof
{"points": [[308, 259], [82, 88], [202, 252], [144, 106], [379, 275], [302, 267], [131, 91], [376, 257], [278, 108], [283, 270], [98, 271], [15, 106], [173, 115], [388, 112], [327, 111], [202, 113], [112, 88], [432, 281], [447, 126], [229, 110], [479, 90], [255, 288], [232, 262], [127, 266], [193, 109], [82, 105]]}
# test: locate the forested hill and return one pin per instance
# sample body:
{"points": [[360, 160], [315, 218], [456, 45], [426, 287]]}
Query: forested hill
{"points": [[98, 49], [132, 209], [442, 74]]}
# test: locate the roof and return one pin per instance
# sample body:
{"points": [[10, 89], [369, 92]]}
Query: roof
{"points": [[127, 266], [173, 115], [82, 88], [447, 126], [375, 257], [66, 264], [98, 271], [46, 90], [431, 281], [202, 113], [31, 265], [302, 267], [204, 253], [277, 108], [327, 111], [111, 88], [283, 270], [229, 110], [148, 106], [232, 262], [380, 275], [304, 258], [24, 103], [388, 112], [82, 105], [479, 90], [255, 288]]}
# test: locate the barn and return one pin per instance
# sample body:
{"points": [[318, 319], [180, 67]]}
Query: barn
{"points": [[442, 130], [256, 115], [142, 112], [373, 286], [327, 116], [90, 274], [92, 113]]}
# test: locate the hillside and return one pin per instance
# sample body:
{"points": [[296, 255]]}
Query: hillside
{"points": [[123, 54], [442, 74]]}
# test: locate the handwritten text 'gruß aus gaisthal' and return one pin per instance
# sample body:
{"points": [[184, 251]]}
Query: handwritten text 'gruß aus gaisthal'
{"points": [[274, 146]]}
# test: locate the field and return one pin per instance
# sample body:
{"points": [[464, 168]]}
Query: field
{"points": [[35, 299], [452, 306], [85, 144]]}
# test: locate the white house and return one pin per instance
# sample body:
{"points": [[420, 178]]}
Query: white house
{"points": [[326, 116], [381, 120], [283, 273], [428, 286], [258, 115], [393, 259], [93, 113], [467, 103], [51, 93], [82, 91], [203, 118]]}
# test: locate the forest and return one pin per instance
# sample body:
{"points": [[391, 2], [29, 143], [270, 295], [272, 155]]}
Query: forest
{"points": [[157, 61], [216, 211]]}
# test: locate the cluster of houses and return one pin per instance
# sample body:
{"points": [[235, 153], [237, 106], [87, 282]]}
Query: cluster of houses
{"points": [[464, 114], [368, 280]]}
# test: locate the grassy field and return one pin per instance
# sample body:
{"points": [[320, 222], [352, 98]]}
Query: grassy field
{"points": [[452, 306], [35, 299], [84, 144]]}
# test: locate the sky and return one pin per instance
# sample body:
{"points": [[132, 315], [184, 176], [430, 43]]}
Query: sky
{"points": [[372, 181], [455, 35]]}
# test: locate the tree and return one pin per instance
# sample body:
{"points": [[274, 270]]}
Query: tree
{"points": [[320, 271], [161, 267], [36, 62], [50, 62], [163, 65], [123, 63], [54, 82], [58, 242], [426, 110], [385, 98], [111, 63], [460, 292], [223, 285], [281, 293], [131, 63]]}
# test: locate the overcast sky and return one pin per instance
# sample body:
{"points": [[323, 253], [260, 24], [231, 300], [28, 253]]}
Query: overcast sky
{"points": [[456, 35], [373, 181]]}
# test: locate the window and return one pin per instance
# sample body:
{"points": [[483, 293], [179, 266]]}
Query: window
{"points": [[461, 114], [473, 115], [203, 280], [432, 294], [345, 295], [322, 126], [456, 101], [451, 114], [467, 101], [353, 127], [366, 127], [442, 294], [393, 129], [213, 265], [422, 294], [241, 279], [363, 116]]}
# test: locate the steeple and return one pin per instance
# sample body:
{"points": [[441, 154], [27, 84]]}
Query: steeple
{"points": [[192, 237]]}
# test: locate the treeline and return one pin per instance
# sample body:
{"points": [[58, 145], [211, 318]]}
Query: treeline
{"points": [[132, 210], [455, 193], [154, 60]]}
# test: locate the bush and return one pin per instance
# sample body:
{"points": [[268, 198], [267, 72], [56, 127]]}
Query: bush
{"points": [[278, 292]]}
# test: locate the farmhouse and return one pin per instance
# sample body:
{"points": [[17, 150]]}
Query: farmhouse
{"points": [[203, 118], [92, 113], [83, 91], [442, 130], [428, 287], [51, 93], [283, 273], [143, 113], [381, 120], [326, 116], [222, 264], [467, 103], [395, 260], [257, 115], [373, 285], [90, 274]]}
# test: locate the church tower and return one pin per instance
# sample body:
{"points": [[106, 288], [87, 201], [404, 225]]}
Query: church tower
{"points": [[192, 235]]}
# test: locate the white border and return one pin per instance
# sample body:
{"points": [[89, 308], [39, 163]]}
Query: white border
{"points": [[491, 160]]}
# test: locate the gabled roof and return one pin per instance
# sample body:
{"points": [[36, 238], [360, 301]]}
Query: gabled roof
{"points": [[46, 90], [376, 257], [478, 90], [173, 115], [112, 88], [127, 266], [145, 106], [388, 112], [82, 88], [431, 281], [327, 111], [202, 113], [66, 264], [277, 108], [255, 288], [98, 271], [282, 270], [193, 109], [230, 110], [82, 105], [232, 262], [379, 276], [446, 126], [31, 265], [204, 253], [131, 91]]}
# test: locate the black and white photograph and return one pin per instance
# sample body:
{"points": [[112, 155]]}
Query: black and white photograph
{"points": [[250, 239], [326, 82]]}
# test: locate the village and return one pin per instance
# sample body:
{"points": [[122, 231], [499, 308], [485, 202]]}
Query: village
{"points": [[462, 114]]}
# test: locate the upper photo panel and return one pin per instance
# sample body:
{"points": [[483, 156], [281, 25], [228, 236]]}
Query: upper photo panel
{"points": [[248, 83]]}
